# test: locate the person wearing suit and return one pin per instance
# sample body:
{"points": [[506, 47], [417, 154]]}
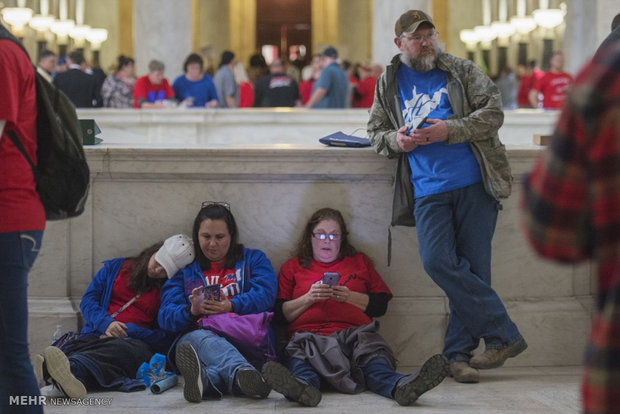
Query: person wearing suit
{"points": [[79, 86]]}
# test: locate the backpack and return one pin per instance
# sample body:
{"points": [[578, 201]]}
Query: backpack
{"points": [[61, 174]]}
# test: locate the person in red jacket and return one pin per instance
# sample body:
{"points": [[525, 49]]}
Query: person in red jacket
{"points": [[153, 90], [553, 85]]}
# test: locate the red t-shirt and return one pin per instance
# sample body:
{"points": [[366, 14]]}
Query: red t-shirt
{"points": [[553, 86], [20, 206], [305, 90], [328, 316], [226, 278], [144, 89], [246, 95], [366, 90], [143, 311]]}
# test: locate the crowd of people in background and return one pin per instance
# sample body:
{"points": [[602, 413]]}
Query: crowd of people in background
{"points": [[280, 83], [325, 82], [531, 87]]}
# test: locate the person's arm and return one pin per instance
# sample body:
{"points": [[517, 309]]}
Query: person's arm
{"points": [[382, 124], [317, 95], [175, 310], [230, 101], [261, 286], [294, 308], [487, 116], [344, 295], [533, 97], [91, 307]]}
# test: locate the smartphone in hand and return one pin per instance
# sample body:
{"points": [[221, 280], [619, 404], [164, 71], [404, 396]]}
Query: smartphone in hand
{"points": [[421, 124], [213, 292], [331, 278]]}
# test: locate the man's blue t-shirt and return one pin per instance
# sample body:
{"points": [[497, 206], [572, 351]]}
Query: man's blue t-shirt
{"points": [[336, 83], [202, 91], [438, 167]]}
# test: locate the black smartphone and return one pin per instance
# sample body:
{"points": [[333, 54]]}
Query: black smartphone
{"points": [[331, 278], [421, 123], [212, 292]]}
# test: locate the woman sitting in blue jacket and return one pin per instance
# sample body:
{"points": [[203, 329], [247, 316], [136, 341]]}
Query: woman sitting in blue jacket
{"points": [[209, 362], [120, 310]]}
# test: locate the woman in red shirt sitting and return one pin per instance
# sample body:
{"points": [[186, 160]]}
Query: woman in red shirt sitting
{"points": [[329, 294], [120, 310]]}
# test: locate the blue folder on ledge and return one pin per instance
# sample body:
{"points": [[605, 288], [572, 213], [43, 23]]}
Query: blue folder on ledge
{"points": [[340, 139]]}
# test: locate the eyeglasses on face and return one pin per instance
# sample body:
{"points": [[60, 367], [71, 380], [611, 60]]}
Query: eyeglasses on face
{"points": [[323, 236], [418, 38], [216, 203]]}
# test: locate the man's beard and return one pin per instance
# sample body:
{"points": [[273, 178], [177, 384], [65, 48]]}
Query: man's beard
{"points": [[424, 63]]}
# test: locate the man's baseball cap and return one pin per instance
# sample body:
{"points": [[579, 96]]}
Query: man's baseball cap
{"points": [[409, 21]]}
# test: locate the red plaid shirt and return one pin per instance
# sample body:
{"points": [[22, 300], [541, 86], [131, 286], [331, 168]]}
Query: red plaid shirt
{"points": [[571, 203]]}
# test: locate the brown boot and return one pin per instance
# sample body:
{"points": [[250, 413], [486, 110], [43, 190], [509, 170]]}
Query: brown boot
{"points": [[462, 372], [493, 358]]}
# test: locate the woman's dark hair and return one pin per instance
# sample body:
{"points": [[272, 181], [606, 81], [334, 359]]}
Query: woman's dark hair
{"points": [[304, 246], [123, 61], [139, 280], [193, 58], [218, 212]]}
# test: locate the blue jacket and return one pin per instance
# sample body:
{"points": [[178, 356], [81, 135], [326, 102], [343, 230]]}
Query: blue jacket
{"points": [[257, 282], [95, 303]]}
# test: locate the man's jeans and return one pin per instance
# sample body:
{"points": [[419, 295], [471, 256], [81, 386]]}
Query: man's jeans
{"points": [[454, 231], [219, 359], [18, 250], [378, 372]]}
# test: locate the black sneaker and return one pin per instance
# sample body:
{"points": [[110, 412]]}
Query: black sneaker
{"points": [[251, 383], [281, 380], [189, 365], [409, 388], [59, 370]]}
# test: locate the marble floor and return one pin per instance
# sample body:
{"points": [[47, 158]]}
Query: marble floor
{"points": [[531, 390]]}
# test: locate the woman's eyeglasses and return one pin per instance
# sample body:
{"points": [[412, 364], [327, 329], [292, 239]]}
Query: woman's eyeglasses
{"points": [[216, 203], [323, 236]]}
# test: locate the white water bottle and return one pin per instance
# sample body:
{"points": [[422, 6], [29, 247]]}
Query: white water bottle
{"points": [[57, 334]]}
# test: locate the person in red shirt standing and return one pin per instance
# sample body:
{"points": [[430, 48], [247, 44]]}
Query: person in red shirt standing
{"points": [[364, 93], [553, 85], [529, 76], [329, 294], [153, 90], [22, 221]]}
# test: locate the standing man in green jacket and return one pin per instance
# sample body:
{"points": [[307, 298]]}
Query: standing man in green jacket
{"points": [[440, 115]]}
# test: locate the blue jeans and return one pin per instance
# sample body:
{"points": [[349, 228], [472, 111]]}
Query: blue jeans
{"points": [[455, 230], [18, 250], [378, 372], [220, 360]]}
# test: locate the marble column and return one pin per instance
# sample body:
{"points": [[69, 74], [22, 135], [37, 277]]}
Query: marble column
{"points": [[162, 31], [385, 15], [587, 24]]}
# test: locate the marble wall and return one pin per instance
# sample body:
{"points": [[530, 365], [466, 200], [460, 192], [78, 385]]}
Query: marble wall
{"points": [[144, 193], [259, 127]]}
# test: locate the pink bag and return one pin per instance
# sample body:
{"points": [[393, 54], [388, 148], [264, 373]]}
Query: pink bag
{"points": [[251, 329]]}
